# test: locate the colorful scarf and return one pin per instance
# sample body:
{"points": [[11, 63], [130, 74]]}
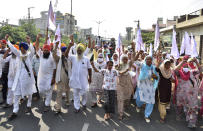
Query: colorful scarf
{"points": [[191, 64], [145, 70], [183, 75]]}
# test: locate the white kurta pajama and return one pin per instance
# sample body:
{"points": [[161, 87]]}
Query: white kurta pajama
{"points": [[79, 79], [23, 85], [45, 75], [11, 76]]}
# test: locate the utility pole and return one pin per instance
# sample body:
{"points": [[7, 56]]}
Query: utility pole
{"points": [[138, 26], [71, 7], [71, 18]]}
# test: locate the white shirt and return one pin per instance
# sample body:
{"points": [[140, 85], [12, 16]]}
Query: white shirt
{"points": [[12, 69], [79, 75], [110, 79]]}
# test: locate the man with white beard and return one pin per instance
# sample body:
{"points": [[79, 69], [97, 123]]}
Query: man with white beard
{"points": [[46, 74], [81, 75], [62, 76], [24, 82]]}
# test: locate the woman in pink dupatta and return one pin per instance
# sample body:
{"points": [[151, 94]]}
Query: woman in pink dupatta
{"points": [[187, 92]]}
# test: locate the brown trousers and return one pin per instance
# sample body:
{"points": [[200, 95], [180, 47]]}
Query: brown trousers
{"points": [[60, 88]]}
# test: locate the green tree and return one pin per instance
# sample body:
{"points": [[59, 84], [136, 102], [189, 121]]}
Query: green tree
{"points": [[148, 37], [30, 29], [15, 33]]}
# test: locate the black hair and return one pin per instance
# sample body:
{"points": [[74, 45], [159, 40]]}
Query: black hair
{"points": [[109, 62]]}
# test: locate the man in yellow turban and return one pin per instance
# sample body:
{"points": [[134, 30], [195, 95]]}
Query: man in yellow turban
{"points": [[81, 74], [80, 50]]}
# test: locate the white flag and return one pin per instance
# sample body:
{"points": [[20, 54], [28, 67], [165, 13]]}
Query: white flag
{"points": [[58, 33], [48, 40], [194, 52], [157, 36], [150, 50], [51, 18], [187, 44], [119, 45], [139, 42], [174, 48], [182, 48], [143, 47]]}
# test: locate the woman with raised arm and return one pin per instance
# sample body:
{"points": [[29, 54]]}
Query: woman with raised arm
{"points": [[147, 84], [125, 85], [95, 88], [109, 87], [187, 92]]}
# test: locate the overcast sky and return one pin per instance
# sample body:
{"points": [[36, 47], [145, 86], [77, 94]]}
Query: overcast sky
{"points": [[116, 14]]}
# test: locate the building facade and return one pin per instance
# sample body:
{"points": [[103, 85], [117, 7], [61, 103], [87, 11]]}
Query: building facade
{"points": [[191, 23], [67, 22]]}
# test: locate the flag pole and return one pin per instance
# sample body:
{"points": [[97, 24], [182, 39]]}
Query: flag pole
{"points": [[47, 34], [119, 53]]}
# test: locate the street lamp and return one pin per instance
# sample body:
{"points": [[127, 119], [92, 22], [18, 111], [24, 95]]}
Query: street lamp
{"points": [[29, 13], [138, 23], [99, 22]]}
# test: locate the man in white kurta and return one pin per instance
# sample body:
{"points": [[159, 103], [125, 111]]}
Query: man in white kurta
{"points": [[11, 76], [46, 74], [24, 82], [80, 77]]}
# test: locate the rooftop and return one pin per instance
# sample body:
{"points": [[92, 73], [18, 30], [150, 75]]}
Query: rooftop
{"points": [[193, 19]]}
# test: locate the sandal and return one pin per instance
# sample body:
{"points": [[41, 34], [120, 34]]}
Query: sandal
{"points": [[94, 105], [99, 102], [162, 121], [120, 117], [106, 117]]}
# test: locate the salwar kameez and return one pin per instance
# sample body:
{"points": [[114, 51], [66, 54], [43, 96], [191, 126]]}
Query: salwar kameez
{"points": [[95, 87], [164, 94], [109, 101], [145, 92], [124, 91], [187, 98]]}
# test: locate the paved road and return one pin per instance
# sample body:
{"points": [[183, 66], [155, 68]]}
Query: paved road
{"points": [[89, 120]]}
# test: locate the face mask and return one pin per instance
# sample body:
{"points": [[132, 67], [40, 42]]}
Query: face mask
{"points": [[186, 70], [100, 60]]}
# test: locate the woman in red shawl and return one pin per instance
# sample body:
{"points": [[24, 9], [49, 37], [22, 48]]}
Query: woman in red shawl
{"points": [[187, 92]]}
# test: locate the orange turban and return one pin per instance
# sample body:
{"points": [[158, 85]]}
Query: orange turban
{"points": [[52, 44], [17, 47], [63, 45]]}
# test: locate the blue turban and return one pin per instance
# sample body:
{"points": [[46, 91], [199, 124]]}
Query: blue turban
{"points": [[24, 45], [63, 49]]}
